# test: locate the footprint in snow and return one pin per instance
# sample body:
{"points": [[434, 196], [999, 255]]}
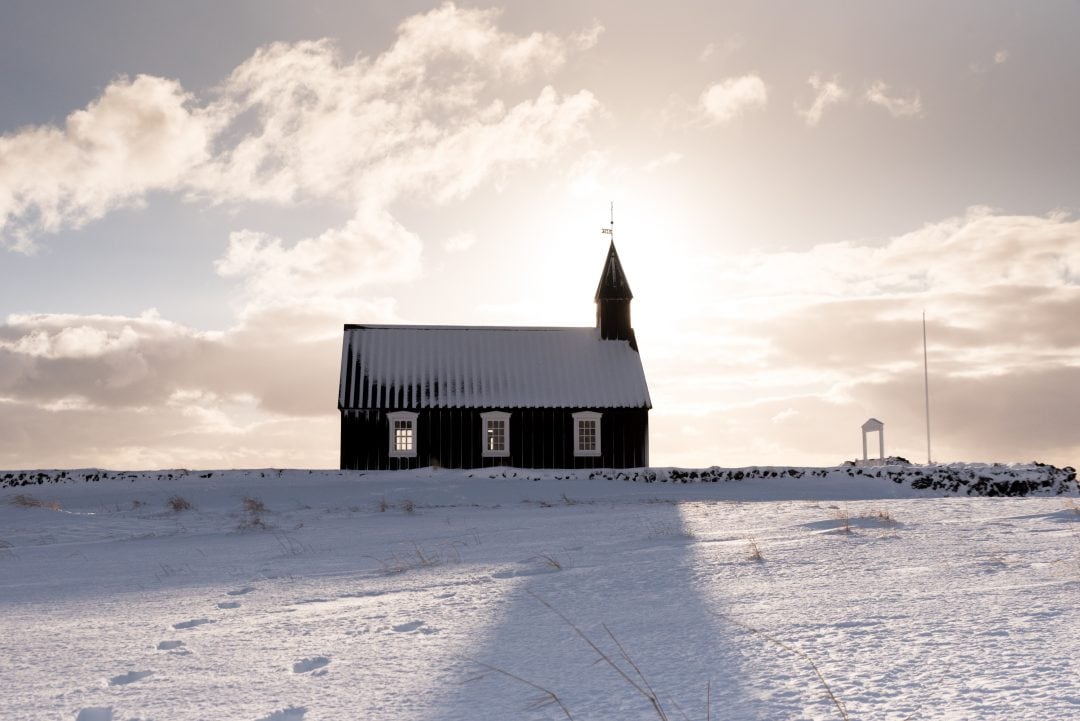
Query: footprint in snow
{"points": [[229, 604], [310, 664], [98, 714], [240, 591], [415, 626], [293, 713], [192, 623], [129, 677], [515, 573], [169, 645]]}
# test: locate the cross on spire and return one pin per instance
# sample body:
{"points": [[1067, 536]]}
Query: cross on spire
{"points": [[611, 230]]}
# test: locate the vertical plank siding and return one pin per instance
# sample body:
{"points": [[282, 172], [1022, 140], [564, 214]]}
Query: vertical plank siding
{"points": [[452, 438]]}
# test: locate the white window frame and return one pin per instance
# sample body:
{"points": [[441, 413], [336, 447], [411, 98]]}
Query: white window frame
{"points": [[487, 417], [403, 416], [579, 418]]}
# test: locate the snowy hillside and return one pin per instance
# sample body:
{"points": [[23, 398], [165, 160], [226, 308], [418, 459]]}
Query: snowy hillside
{"points": [[296, 595]]}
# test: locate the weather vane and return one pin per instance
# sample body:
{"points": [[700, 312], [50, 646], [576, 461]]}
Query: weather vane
{"points": [[610, 231]]}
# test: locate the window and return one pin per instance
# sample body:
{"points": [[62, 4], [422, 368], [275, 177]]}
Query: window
{"points": [[586, 433], [402, 434], [586, 436], [495, 430]]}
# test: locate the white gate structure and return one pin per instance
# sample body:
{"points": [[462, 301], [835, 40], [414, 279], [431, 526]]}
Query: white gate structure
{"points": [[869, 427]]}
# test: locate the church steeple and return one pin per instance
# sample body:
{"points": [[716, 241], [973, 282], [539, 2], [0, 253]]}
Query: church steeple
{"points": [[613, 298]]}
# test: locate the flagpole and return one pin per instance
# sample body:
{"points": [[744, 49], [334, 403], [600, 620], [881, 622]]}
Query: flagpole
{"points": [[926, 387]]}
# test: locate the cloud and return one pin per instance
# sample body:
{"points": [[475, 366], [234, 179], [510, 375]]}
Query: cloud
{"points": [[102, 359], [459, 242], [202, 431], [423, 120], [585, 174], [587, 39], [828, 92], [898, 107], [1000, 57], [296, 121], [784, 415], [797, 348], [323, 272], [966, 253], [455, 102], [424, 116], [802, 347], [668, 158], [715, 51], [142, 134], [726, 100], [110, 363]]}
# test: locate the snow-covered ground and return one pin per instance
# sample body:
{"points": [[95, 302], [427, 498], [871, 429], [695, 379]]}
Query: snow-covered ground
{"points": [[421, 595]]}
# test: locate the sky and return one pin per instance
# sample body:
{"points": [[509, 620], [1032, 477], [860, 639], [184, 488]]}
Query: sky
{"points": [[195, 197]]}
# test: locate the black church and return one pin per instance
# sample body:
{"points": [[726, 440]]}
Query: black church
{"points": [[473, 396]]}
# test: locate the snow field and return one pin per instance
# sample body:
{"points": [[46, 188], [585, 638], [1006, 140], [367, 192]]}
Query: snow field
{"points": [[393, 595]]}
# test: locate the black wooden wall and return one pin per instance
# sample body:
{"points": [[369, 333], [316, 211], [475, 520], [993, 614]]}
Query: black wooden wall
{"points": [[539, 438]]}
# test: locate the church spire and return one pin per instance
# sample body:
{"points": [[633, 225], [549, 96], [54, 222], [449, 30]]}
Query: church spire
{"points": [[613, 284], [613, 298]]}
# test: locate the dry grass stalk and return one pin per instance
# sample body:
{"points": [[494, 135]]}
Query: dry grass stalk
{"points": [[550, 697], [289, 545], [253, 505], [400, 563], [883, 515], [641, 684], [27, 501], [753, 550], [642, 688], [845, 521], [254, 508], [551, 562], [651, 695], [801, 654], [178, 503], [252, 522]]}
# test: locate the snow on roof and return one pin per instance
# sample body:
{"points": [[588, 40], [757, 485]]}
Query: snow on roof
{"points": [[400, 366]]}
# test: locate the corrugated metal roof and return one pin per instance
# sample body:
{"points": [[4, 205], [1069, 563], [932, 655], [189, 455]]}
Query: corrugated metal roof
{"points": [[400, 366]]}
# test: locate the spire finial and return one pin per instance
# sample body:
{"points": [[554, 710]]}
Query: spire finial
{"points": [[610, 230]]}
